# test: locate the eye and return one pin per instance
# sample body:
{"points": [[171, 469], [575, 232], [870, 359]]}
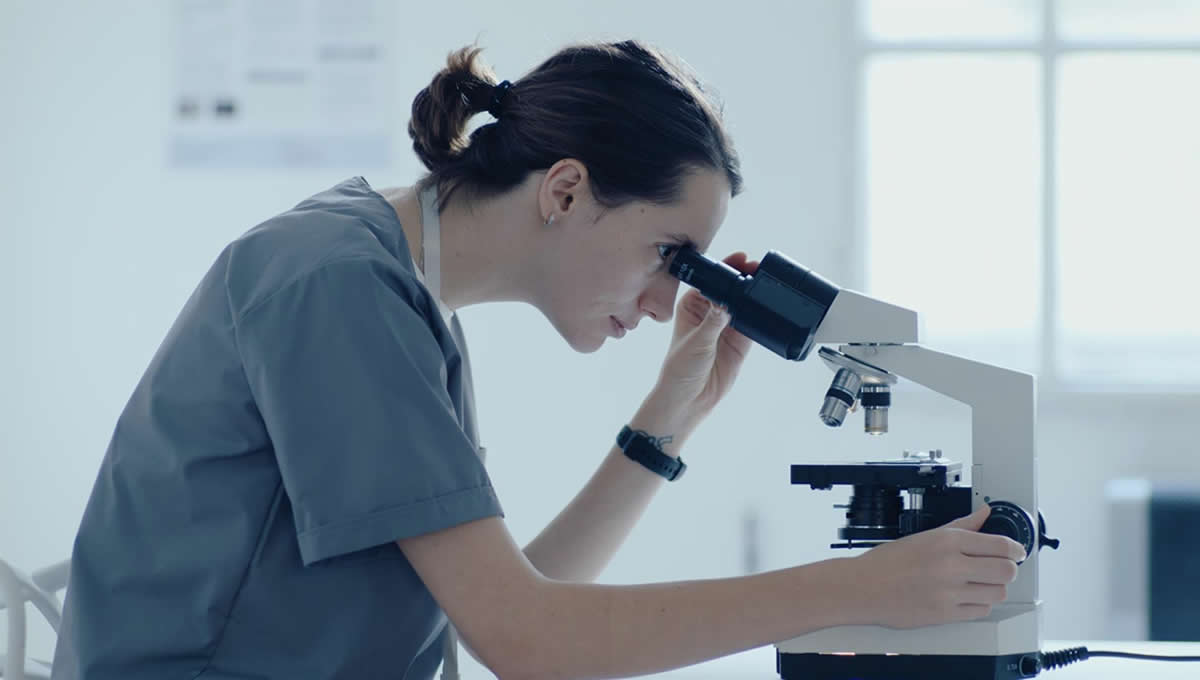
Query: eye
{"points": [[666, 250]]}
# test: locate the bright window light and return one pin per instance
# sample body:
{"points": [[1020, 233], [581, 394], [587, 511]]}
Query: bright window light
{"points": [[1129, 19], [917, 20], [953, 198], [1129, 218]]}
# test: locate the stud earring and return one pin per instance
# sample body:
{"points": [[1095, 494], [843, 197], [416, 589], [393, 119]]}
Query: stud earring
{"points": [[549, 220]]}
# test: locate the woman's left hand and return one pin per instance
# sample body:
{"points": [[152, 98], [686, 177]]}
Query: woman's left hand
{"points": [[706, 353]]}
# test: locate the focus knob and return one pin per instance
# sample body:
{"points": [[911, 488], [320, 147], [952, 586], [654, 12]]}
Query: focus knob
{"points": [[1008, 519], [1044, 540]]}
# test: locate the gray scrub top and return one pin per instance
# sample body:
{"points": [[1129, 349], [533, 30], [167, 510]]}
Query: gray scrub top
{"points": [[309, 406]]}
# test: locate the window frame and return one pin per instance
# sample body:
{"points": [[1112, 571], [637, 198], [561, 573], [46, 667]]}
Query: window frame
{"points": [[1048, 49]]}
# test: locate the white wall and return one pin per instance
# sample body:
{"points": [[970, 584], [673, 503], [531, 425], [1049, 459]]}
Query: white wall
{"points": [[101, 244]]}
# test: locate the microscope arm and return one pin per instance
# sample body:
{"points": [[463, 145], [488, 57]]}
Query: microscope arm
{"points": [[1003, 424]]}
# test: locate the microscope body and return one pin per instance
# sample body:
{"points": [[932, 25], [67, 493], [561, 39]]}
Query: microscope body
{"points": [[1003, 470], [790, 310]]}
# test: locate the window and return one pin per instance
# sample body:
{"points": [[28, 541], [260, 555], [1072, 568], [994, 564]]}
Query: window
{"points": [[1031, 182]]}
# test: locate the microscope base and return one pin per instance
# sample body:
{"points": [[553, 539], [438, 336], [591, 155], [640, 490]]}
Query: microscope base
{"points": [[905, 666]]}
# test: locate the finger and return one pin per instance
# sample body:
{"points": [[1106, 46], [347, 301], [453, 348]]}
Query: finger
{"points": [[991, 545], [695, 305], [973, 521], [735, 259], [714, 322], [741, 262], [738, 343], [968, 612], [979, 593], [690, 313], [994, 571], [731, 353]]}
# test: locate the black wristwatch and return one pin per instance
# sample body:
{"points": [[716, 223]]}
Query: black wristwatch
{"points": [[640, 447]]}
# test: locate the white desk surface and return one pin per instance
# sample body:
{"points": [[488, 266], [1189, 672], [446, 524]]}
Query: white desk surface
{"points": [[759, 664]]}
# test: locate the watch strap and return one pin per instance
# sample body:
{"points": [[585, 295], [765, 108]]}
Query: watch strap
{"points": [[640, 447]]}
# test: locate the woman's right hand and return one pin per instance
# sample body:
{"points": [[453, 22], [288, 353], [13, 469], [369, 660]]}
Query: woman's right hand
{"points": [[943, 575]]}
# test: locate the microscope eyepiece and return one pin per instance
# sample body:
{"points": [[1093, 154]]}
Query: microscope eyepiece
{"points": [[717, 281], [779, 306]]}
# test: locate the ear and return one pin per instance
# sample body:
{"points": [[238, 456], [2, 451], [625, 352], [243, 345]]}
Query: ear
{"points": [[562, 188]]}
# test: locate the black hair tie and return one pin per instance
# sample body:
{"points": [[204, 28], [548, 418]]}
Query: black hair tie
{"points": [[498, 94]]}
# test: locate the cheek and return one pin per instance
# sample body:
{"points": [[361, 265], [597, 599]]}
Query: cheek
{"points": [[603, 283], [622, 288]]}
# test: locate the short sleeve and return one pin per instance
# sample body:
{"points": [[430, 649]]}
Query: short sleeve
{"points": [[352, 387]]}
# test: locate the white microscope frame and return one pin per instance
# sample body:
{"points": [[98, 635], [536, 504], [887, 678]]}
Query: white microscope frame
{"points": [[1003, 461]]}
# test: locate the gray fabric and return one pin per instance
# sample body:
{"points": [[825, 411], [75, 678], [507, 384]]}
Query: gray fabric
{"points": [[309, 406]]}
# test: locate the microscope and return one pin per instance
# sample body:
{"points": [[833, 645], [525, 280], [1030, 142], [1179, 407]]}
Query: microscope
{"points": [[789, 309]]}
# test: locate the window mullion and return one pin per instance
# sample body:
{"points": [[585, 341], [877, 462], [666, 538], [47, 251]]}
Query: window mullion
{"points": [[1049, 373], [856, 260]]}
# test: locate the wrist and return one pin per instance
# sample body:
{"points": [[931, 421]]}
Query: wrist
{"points": [[857, 599], [668, 425]]}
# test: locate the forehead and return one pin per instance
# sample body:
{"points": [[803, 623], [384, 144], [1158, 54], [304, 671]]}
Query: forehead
{"points": [[698, 214]]}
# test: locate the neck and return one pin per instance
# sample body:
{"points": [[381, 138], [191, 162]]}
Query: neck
{"points": [[485, 244]]}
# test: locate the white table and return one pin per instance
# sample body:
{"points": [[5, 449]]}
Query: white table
{"points": [[759, 664]]}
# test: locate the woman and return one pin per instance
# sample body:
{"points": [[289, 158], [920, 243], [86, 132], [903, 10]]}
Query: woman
{"points": [[296, 489]]}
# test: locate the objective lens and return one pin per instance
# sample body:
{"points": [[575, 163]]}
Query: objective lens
{"points": [[875, 421], [840, 397], [875, 400]]}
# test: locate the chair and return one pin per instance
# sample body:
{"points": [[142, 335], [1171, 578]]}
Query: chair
{"points": [[16, 588], [1153, 560]]}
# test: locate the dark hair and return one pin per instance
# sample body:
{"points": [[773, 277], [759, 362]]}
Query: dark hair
{"points": [[638, 120]]}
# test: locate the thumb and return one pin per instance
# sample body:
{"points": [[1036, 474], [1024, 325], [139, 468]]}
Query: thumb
{"points": [[973, 521]]}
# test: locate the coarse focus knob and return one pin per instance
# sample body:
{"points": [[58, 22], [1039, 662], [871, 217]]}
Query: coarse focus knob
{"points": [[1045, 541], [1008, 519]]}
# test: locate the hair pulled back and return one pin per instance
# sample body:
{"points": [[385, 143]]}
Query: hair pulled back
{"points": [[637, 119]]}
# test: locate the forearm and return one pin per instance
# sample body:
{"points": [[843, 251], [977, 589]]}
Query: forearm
{"points": [[601, 631], [582, 539]]}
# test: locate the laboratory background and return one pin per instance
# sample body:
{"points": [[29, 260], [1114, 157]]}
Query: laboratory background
{"points": [[1023, 173]]}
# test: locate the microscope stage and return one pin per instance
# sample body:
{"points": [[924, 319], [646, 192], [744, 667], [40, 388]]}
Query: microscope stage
{"points": [[904, 474]]}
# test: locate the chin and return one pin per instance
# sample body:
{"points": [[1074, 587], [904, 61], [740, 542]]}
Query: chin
{"points": [[582, 339], [585, 345]]}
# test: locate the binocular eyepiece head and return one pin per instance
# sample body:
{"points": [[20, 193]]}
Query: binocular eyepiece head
{"points": [[779, 306]]}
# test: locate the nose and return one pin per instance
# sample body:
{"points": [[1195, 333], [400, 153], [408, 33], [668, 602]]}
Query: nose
{"points": [[658, 302]]}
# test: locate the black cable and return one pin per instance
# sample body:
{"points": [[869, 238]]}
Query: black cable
{"points": [[1063, 657]]}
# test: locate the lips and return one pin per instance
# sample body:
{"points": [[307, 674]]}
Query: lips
{"points": [[618, 328]]}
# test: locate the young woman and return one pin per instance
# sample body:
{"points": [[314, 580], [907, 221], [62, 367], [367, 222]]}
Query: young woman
{"points": [[296, 490]]}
